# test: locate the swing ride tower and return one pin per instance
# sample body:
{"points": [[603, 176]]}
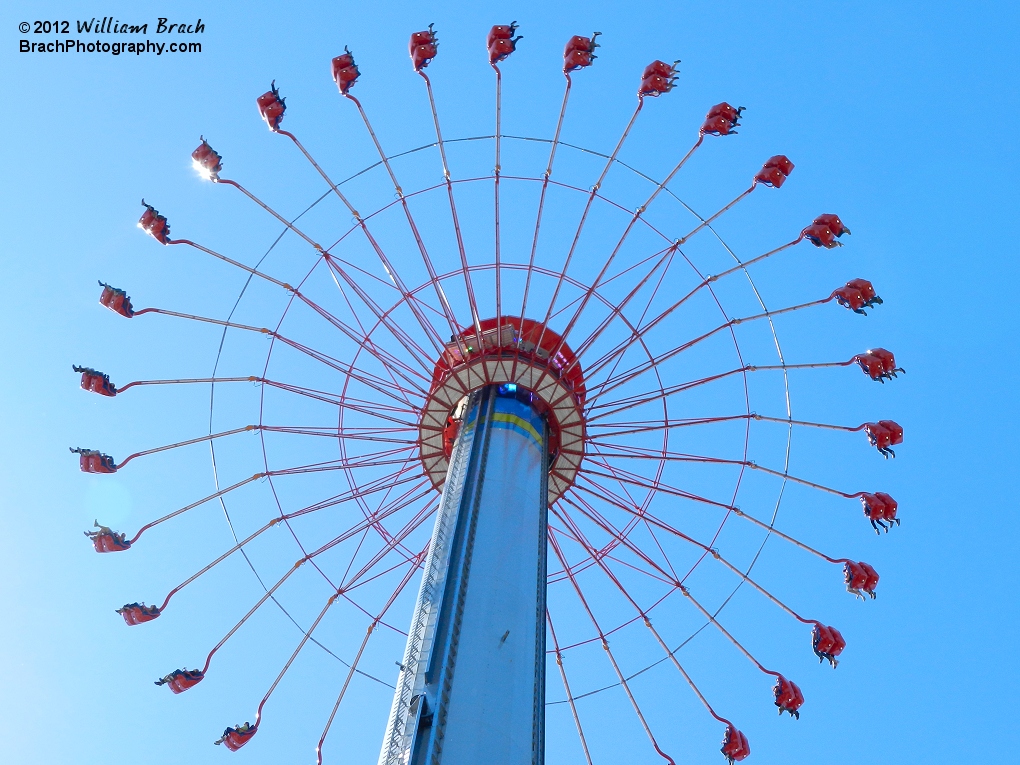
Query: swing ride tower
{"points": [[472, 682], [635, 470]]}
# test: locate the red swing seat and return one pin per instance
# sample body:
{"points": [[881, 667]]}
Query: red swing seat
{"points": [[734, 746], [181, 680], [92, 461], [860, 578], [106, 543], [137, 613], [234, 739], [154, 224], [272, 107], [116, 300], [827, 643], [501, 42], [721, 120], [658, 78], [423, 47], [345, 71], [96, 382], [775, 171], [207, 161], [788, 696], [579, 52]]}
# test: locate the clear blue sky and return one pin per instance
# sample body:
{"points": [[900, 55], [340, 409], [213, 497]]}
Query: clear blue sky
{"points": [[899, 117]]}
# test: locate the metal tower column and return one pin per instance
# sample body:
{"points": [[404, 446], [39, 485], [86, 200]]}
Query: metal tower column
{"points": [[472, 686]]}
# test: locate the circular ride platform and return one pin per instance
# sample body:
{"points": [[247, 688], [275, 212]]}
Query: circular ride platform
{"points": [[507, 351]]}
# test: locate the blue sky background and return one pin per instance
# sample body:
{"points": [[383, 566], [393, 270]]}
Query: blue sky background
{"points": [[899, 118]]}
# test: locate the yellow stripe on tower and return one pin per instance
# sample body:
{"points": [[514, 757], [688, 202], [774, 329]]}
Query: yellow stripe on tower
{"points": [[518, 423]]}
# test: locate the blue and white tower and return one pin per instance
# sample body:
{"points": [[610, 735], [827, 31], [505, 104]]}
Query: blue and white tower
{"points": [[472, 685]]}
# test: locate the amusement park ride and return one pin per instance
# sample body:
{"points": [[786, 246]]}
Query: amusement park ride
{"points": [[544, 434]]}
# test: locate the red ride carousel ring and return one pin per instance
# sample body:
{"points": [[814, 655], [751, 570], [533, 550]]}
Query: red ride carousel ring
{"points": [[525, 355]]}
